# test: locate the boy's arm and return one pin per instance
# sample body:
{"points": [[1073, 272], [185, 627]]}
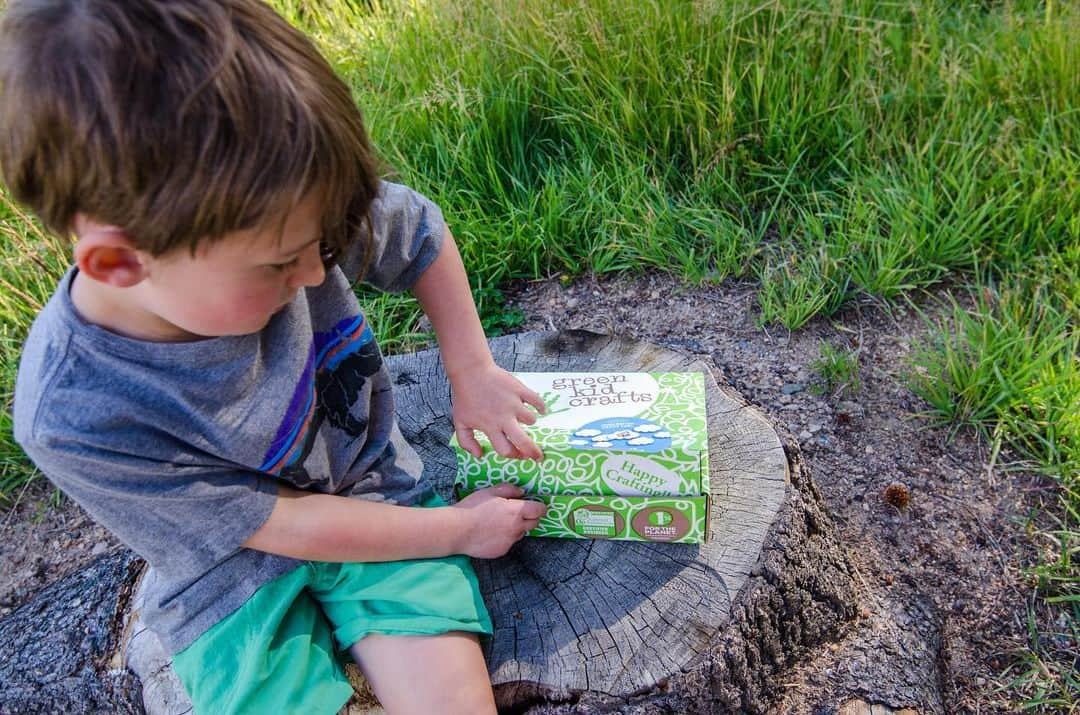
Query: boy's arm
{"points": [[486, 397], [325, 527]]}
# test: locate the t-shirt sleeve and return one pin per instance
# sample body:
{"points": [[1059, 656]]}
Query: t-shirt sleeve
{"points": [[188, 516], [407, 234]]}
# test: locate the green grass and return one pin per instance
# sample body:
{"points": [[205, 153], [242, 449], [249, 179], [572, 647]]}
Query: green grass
{"points": [[31, 262], [838, 370], [830, 150]]}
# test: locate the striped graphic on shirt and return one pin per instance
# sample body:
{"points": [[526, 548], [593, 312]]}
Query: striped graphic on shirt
{"points": [[326, 353]]}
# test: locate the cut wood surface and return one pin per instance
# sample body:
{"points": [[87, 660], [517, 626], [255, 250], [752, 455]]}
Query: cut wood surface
{"points": [[594, 625]]}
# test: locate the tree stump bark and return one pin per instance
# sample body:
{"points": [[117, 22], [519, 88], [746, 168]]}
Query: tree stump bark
{"points": [[589, 626], [57, 652]]}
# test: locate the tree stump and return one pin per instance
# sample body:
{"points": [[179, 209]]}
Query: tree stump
{"points": [[592, 625], [595, 626]]}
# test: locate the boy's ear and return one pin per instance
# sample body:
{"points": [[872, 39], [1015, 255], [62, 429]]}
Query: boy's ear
{"points": [[105, 254]]}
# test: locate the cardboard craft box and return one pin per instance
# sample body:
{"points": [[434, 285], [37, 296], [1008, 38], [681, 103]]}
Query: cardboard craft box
{"points": [[625, 456]]}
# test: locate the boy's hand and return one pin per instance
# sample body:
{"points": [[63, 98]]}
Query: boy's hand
{"points": [[497, 518], [493, 401]]}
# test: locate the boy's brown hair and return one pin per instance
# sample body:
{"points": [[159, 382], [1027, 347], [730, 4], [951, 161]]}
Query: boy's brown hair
{"points": [[176, 120]]}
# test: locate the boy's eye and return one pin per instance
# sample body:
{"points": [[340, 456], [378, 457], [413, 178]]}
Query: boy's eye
{"points": [[279, 267]]}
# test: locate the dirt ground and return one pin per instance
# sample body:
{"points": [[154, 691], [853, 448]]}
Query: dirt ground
{"points": [[947, 598]]}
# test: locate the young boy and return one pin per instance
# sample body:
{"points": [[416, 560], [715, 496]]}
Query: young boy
{"points": [[203, 381]]}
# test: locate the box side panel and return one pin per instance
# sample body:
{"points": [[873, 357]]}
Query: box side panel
{"points": [[602, 472], [662, 519], [703, 470]]}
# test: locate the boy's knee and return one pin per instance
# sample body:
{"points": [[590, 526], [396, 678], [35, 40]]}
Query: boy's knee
{"points": [[470, 701], [443, 673]]}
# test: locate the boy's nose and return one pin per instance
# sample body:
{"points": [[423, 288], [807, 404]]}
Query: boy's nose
{"points": [[310, 272]]}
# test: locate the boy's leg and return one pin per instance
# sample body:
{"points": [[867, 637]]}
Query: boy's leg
{"points": [[442, 673], [413, 627], [275, 654]]}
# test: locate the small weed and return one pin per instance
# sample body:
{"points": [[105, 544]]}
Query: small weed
{"points": [[496, 317], [839, 371], [791, 298]]}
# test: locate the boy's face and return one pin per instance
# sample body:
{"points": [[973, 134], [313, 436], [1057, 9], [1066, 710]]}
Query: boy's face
{"points": [[231, 286]]}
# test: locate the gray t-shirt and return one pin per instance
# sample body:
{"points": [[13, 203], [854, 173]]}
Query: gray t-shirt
{"points": [[178, 448]]}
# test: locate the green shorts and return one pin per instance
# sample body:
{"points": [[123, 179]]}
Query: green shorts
{"points": [[285, 648]]}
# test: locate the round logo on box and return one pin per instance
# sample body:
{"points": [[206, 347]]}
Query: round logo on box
{"points": [[659, 523]]}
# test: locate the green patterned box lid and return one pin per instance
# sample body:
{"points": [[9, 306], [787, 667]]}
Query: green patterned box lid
{"points": [[606, 433]]}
